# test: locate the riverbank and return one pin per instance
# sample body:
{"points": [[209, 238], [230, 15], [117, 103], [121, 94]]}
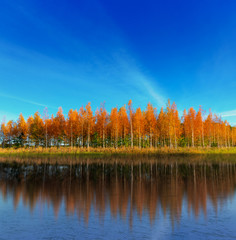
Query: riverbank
{"points": [[100, 152]]}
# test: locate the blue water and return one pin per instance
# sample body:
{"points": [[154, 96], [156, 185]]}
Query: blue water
{"points": [[85, 209]]}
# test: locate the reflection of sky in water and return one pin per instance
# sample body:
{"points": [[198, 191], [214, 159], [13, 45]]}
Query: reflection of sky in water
{"points": [[216, 221], [42, 223]]}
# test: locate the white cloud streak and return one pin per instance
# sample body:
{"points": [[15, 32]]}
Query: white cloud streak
{"points": [[133, 75], [231, 113], [23, 100], [148, 86], [122, 64]]}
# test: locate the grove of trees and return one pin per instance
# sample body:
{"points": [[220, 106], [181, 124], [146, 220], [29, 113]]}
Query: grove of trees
{"points": [[123, 127]]}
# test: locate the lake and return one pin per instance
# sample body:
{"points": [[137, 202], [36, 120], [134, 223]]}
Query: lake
{"points": [[115, 199]]}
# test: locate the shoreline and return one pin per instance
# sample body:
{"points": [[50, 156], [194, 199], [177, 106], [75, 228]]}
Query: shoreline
{"points": [[112, 151], [76, 155]]}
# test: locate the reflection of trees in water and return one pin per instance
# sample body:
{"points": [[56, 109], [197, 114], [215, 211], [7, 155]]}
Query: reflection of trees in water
{"points": [[123, 189]]}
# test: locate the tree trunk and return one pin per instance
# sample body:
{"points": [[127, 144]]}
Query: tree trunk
{"points": [[192, 138], [131, 129], [139, 138], [103, 138], [46, 136], [71, 138], [82, 140], [202, 136], [150, 141], [175, 139], [88, 140], [116, 137]]}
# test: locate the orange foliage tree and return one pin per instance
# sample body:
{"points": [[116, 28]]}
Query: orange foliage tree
{"points": [[138, 122], [114, 126], [101, 116], [150, 122], [122, 127], [89, 122]]}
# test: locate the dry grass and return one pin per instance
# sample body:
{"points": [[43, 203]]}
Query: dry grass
{"points": [[67, 155], [112, 151]]}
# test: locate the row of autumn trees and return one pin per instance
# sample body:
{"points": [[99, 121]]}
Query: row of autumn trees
{"points": [[122, 127]]}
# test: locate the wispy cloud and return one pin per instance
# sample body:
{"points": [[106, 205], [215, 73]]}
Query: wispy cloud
{"points": [[231, 113], [77, 63], [23, 100], [134, 75], [148, 87]]}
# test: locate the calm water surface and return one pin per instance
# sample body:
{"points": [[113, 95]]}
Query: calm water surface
{"points": [[132, 200]]}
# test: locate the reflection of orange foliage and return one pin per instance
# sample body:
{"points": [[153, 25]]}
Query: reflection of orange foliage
{"points": [[151, 187]]}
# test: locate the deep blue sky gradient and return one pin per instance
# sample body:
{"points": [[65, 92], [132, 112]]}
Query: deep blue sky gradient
{"points": [[67, 53]]}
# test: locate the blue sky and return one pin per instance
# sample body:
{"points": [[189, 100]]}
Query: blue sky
{"points": [[67, 53]]}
